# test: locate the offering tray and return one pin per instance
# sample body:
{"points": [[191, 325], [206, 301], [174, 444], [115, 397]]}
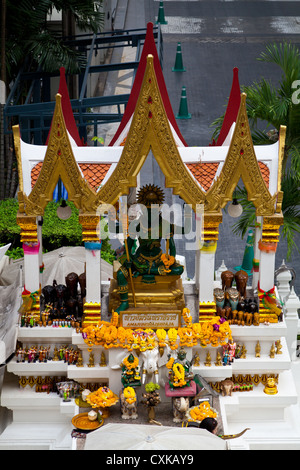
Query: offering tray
{"points": [[190, 418], [82, 422]]}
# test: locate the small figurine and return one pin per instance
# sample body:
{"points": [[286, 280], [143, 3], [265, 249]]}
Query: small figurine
{"points": [[207, 362], [128, 403], [79, 362], [272, 351], [257, 349], [218, 359], [231, 347], [225, 357], [278, 347], [91, 360], [238, 351], [55, 354], [103, 360], [243, 352], [256, 319], [271, 388], [196, 361]]}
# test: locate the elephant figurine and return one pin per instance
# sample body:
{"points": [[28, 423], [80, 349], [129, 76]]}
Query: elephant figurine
{"points": [[82, 283], [71, 283], [226, 387], [128, 410], [241, 279], [180, 408], [240, 316], [227, 278], [49, 294], [150, 363], [256, 321], [61, 294], [248, 318]]}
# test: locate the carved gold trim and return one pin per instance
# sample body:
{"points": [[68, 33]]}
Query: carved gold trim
{"points": [[17, 145], [91, 313], [241, 162], [211, 226], [270, 228], [150, 130], [59, 162], [28, 227], [90, 227]]}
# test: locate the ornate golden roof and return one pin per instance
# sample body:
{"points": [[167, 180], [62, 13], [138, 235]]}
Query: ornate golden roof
{"points": [[150, 130]]}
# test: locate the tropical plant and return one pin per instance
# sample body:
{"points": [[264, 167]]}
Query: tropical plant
{"points": [[28, 40], [29, 36], [269, 107], [56, 232]]}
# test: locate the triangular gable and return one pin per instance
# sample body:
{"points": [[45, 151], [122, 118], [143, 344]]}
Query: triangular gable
{"points": [[67, 110], [59, 162], [241, 162], [148, 48], [150, 130]]}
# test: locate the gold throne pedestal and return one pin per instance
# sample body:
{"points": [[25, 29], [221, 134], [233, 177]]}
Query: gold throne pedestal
{"points": [[155, 302]]}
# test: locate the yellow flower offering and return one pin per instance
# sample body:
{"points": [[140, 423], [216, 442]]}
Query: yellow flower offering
{"points": [[129, 394], [202, 411], [102, 398], [179, 374]]}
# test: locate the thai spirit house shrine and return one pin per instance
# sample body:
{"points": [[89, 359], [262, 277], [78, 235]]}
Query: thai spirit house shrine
{"points": [[150, 287]]}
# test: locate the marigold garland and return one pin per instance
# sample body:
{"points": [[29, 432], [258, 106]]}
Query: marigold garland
{"points": [[202, 411], [102, 398], [179, 374], [130, 365], [215, 332], [129, 394]]}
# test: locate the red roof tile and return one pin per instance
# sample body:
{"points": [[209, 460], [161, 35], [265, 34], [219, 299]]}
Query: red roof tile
{"points": [[94, 173], [205, 173]]}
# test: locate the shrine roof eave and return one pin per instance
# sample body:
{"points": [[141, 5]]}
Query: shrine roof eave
{"points": [[267, 154], [33, 154]]}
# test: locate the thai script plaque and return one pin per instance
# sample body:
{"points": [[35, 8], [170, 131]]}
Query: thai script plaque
{"points": [[150, 320]]}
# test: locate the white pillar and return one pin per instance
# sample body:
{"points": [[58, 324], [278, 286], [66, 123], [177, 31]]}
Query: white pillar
{"points": [[31, 267], [93, 272], [292, 304], [266, 270], [40, 239], [256, 260], [92, 306], [206, 278]]}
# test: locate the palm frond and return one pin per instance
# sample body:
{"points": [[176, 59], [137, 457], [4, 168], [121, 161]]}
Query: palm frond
{"points": [[286, 56]]}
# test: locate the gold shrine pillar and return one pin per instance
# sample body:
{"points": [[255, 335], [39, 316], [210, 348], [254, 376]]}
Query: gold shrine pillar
{"points": [[92, 243], [268, 245], [205, 268], [31, 247]]}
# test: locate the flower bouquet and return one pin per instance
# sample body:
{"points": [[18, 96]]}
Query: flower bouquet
{"points": [[102, 399], [200, 412]]}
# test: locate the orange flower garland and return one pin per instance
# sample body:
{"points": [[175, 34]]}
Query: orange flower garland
{"points": [[102, 398], [202, 411], [130, 395]]}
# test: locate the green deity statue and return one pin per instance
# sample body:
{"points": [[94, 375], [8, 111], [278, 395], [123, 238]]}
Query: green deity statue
{"points": [[148, 260]]}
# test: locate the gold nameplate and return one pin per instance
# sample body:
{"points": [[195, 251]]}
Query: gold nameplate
{"points": [[150, 320]]}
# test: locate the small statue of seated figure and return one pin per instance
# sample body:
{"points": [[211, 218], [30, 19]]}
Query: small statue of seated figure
{"points": [[148, 260], [180, 374]]}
